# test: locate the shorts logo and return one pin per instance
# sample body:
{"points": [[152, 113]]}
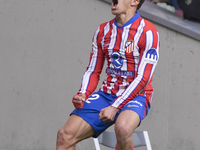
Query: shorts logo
{"points": [[136, 102], [129, 46], [116, 60], [151, 56], [132, 105]]}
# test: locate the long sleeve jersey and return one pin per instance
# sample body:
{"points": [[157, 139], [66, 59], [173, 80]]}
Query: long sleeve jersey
{"points": [[131, 52]]}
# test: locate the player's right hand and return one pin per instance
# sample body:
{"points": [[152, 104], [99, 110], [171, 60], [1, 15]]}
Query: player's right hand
{"points": [[78, 100], [108, 114]]}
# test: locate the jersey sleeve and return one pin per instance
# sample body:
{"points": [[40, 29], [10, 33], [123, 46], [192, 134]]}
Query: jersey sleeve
{"points": [[149, 55], [92, 74]]}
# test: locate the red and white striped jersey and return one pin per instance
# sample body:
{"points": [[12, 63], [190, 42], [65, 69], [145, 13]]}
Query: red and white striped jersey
{"points": [[131, 51]]}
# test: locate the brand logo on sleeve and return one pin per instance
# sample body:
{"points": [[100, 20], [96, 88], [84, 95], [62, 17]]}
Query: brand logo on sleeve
{"points": [[151, 56]]}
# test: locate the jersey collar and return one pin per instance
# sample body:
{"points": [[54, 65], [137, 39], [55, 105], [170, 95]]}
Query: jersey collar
{"points": [[135, 17]]}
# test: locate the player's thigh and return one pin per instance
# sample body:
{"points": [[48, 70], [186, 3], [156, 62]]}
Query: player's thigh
{"points": [[126, 123], [91, 109], [77, 128], [133, 112]]}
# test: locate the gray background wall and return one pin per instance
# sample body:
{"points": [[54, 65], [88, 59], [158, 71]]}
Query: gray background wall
{"points": [[44, 51]]}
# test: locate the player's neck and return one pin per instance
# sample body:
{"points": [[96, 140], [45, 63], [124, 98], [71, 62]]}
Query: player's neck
{"points": [[123, 18]]}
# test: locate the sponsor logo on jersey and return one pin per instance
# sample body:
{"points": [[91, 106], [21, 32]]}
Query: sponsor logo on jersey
{"points": [[116, 60], [151, 56], [119, 72], [129, 46]]}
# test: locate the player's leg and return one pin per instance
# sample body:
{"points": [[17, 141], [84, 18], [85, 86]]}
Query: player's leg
{"points": [[129, 119], [75, 130], [125, 125], [84, 122]]}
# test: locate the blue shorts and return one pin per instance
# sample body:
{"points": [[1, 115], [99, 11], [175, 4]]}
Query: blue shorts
{"points": [[99, 100]]}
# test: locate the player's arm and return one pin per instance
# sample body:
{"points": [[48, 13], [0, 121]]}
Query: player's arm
{"points": [[92, 74], [148, 60]]}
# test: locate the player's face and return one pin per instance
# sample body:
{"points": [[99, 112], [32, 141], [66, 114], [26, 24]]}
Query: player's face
{"points": [[119, 7]]}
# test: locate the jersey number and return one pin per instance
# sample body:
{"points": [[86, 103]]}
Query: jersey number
{"points": [[92, 97]]}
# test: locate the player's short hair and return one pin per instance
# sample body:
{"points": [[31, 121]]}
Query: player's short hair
{"points": [[140, 4]]}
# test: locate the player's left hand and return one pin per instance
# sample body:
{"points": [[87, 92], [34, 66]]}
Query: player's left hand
{"points": [[108, 114]]}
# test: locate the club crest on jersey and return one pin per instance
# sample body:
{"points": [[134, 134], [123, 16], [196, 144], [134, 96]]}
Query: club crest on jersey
{"points": [[151, 56], [129, 46]]}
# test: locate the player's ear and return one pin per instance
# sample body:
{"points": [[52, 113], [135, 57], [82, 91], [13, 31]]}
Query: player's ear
{"points": [[135, 2]]}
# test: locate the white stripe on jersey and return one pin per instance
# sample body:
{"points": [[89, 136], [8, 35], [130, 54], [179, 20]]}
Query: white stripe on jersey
{"points": [[106, 29], [157, 50], [122, 51], [113, 39], [136, 39], [122, 87], [125, 35], [110, 51], [149, 42]]}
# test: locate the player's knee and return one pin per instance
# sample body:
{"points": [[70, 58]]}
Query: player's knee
{"points": [[122, 131], [64, 137]]}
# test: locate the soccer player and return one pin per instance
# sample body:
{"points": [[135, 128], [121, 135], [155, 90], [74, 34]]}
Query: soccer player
{"points": [[130, 45]]}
